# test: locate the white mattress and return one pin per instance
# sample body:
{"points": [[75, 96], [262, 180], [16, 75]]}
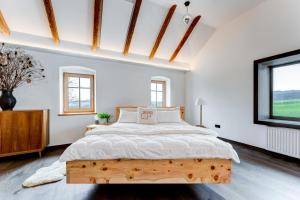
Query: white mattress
{"points": [[160, 141]]}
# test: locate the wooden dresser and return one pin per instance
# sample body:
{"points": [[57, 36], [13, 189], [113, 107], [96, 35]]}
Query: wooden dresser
{"points": [[23, 132]]}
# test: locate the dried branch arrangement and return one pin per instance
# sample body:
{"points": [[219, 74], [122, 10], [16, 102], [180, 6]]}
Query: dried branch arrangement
{"points": [[17, 68]]}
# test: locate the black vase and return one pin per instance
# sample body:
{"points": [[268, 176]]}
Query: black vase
{"points": [[7, 100]]}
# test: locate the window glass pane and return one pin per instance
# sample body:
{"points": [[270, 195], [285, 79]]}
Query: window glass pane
{"points": [[159, 87], [153, 96], [73, 82], [286, 91], [159, 97], [85, 98], [85, 82], [153, 86], [73, 98]]}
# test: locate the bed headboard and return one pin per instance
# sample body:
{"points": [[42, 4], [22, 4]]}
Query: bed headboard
{"points": [[182, 110]]}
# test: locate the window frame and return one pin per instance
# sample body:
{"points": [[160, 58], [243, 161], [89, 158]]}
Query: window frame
{"points": [[66, 109], [164, 83], [256, 88], [271, 69]]}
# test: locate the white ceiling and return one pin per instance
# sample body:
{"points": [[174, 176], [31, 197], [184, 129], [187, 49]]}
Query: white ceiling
{"points": [[214, 12], [28, 22]]}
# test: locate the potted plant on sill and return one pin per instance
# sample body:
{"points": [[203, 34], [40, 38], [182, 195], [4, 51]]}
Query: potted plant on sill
{"points": [[16, 68], [104, 117]]}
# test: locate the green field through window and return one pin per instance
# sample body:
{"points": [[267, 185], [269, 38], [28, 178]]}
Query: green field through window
{"points": [[286, 91], [287, 108]]}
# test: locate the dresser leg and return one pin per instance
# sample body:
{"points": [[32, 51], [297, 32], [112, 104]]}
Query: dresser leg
{"points": [[40, 154]]}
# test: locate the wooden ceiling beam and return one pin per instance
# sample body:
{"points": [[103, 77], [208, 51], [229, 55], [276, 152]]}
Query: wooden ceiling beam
{"points": [[162, 31], [185, 37], [51, 20], [98, 10], [3, 25], [134, 16]]}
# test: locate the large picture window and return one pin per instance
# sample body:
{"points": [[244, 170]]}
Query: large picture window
{"points": [[285, 91], [277, 90], [78, 93]]}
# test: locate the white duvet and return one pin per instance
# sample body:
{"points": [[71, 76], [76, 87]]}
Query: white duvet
{"points": [[138, 141]]}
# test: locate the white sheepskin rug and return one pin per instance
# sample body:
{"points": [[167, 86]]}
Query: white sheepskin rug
{"points": [[53, 173]]}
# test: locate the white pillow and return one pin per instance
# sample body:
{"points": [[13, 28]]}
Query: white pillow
{"points": [[127, 116], [169, 116], [147, 116]]}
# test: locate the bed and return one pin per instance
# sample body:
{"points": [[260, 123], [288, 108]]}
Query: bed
{"points": [[126, 153]]}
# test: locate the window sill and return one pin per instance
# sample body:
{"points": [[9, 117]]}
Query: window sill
{"points": [[279, 123], [72, 114]]}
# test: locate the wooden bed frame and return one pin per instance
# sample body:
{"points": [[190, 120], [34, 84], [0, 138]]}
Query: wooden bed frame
{"points": [[125, 171]]}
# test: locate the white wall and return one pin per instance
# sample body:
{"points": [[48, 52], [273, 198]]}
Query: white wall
{"points": [[223, 75], [117, 84]]}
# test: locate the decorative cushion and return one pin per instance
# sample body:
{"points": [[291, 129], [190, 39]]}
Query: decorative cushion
{"points": [[147, 116]]}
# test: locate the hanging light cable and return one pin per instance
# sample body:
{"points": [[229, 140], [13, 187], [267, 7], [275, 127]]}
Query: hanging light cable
{"points": [[187, 17]]}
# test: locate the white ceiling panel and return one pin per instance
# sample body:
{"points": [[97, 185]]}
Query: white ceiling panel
{"points": [[74, 19], [115, 21], [26, 16], [148, 26]]}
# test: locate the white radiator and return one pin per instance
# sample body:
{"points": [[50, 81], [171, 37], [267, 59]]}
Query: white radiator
{"points": [[284, 141]]}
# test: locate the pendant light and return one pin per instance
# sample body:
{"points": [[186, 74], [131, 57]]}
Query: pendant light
{"points": [[187, 17]]}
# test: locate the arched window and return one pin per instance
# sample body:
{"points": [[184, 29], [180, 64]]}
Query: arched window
{"points": [[77, 89], [160, 91]]}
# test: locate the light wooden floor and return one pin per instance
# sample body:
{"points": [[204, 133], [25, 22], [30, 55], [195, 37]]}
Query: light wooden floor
{"points": [[259, 176]]}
